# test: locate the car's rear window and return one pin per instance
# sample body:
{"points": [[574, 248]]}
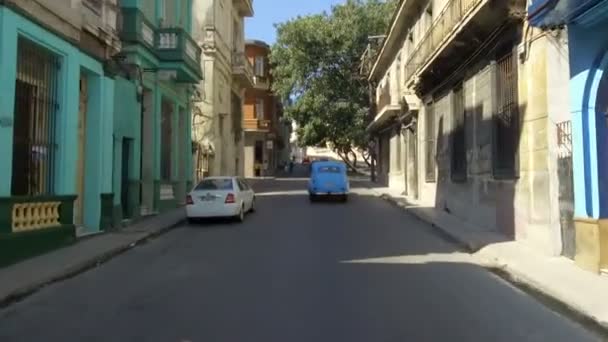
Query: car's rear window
{"points": [[215, 184], [329, 169]]}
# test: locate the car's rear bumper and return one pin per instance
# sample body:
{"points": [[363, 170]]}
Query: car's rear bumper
{"points": [[199, 211], [327, 193]]}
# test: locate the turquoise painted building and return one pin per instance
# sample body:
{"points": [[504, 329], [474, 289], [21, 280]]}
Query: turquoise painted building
{"points": [[95, 130], [152, 143], [55, 136], [587, 26]]}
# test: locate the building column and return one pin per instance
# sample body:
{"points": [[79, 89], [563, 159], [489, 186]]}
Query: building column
{"points": [[147, 151], [157, 119], [95, 162], [8, 58]]}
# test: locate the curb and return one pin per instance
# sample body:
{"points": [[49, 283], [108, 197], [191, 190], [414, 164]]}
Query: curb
{"points": [[467, 246], [500, 267], [546, 294], [83, 266]]}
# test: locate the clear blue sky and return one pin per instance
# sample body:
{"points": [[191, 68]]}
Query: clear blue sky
{"points": [[269, 12]]}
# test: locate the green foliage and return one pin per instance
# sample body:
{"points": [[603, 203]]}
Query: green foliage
{"points": [[316, 60]]}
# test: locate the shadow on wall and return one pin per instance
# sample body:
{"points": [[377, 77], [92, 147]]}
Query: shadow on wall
{"points": [[478, 171]]}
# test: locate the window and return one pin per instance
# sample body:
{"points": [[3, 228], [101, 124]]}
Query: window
{"points": [[259, 109], [215, 184], [166, 139], [35, 121], [237, 118], [329, 169], [506, 119], [258, 154], [459, 149], [429, 144], [260, 66], [243, 186]]}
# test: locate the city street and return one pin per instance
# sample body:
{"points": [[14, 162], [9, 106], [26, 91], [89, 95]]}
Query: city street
{"points": [[293, 271]]}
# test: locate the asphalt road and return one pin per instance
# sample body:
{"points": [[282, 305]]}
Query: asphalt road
{"points": [[294, 271]]}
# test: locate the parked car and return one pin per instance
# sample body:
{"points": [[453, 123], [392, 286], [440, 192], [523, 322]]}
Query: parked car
{"points": [[306, 160], [220, 197], [328, 178]]}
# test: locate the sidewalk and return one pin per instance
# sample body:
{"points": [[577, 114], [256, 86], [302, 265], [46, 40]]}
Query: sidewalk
{"points": [[26, 277], [556, 277]]}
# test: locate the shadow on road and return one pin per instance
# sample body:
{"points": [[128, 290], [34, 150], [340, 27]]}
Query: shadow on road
{"points": [[293, 271]]}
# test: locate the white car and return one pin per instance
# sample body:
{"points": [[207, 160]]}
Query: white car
{"points": [[220, 197]]}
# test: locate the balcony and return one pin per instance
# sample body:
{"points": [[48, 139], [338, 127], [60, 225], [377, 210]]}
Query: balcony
{"points": [[137, 29], [244, 7], [388, 107], [261, 83], [391, 105], [259, 125], [459, 29], [100, 18], [179, 53], [242, 70]]}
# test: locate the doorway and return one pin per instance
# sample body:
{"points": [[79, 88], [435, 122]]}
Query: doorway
{"points": [[127, 148], [412, 164], [258, 158]]}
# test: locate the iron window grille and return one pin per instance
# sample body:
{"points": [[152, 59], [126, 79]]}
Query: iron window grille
{"points": [[166, 140], [459, 149], [35, 120], [506, 119], [429, 144]]}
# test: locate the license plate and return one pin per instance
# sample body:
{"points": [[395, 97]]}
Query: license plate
{"points": [[329, 184], [208, 198]]}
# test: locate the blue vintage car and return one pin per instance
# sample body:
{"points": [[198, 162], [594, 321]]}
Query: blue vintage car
{"points": [[328, 178]]}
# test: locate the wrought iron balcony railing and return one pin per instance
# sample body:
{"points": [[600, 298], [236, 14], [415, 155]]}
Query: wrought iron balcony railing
{"points": [[242, 68], [450, 17], [256, 124]]}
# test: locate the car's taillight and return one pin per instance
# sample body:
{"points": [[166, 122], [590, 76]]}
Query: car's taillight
{"points": [[189, 200], [230, 198]]}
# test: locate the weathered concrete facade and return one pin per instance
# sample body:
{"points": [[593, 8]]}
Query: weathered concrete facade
{"points": [[471, 128], [217, 120]]}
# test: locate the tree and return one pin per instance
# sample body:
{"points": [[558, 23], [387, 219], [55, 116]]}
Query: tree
{"points": [[316, 64]]}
